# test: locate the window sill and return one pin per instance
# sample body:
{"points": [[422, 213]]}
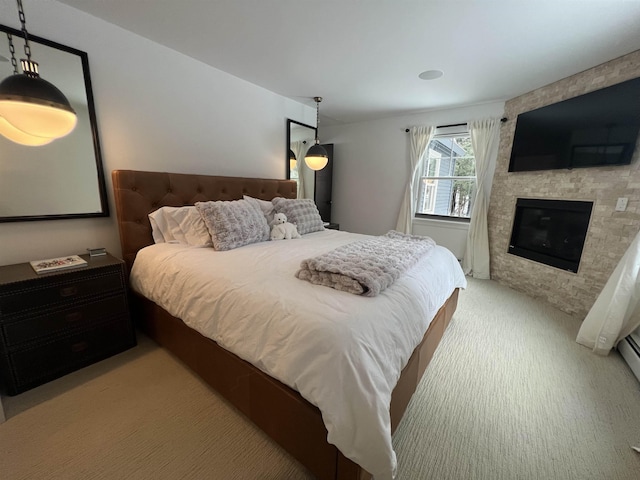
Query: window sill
{"points": [[442, 222]]}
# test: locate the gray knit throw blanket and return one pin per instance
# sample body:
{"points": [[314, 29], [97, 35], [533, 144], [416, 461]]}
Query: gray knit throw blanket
{"points": [[366, 267]]}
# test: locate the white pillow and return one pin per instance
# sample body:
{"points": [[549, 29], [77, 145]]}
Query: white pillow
{"points": [[266, 206], [179, 225]]}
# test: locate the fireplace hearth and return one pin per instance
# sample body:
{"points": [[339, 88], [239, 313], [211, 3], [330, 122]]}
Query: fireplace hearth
{"points": [[551, 232]]}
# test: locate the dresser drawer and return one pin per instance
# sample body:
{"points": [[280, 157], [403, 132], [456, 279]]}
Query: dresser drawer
{"points": [[54, 322], [55, 290], [33, 366]]}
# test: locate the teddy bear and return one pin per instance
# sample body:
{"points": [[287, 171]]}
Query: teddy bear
{"points": [[281, 229]]}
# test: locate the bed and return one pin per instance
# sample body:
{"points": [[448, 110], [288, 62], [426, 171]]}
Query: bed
{"points": [[278, 388]]}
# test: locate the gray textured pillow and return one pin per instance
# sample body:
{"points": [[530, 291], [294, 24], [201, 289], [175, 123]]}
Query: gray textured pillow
{"points": [[233, 224], [265, 205], [302, 212]]}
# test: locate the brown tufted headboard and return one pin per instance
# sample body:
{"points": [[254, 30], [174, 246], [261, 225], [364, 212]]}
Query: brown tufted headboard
{"points": [[139, 193]]}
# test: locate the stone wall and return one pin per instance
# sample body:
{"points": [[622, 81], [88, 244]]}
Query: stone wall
{"points": [[610, 232]]}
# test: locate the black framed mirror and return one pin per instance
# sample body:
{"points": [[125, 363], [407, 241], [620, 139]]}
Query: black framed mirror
{"points": [[300, 137], [316, 185], [63, 179]]}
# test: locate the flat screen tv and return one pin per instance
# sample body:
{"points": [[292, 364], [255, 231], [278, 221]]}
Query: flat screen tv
{"points": [[599, 128]]}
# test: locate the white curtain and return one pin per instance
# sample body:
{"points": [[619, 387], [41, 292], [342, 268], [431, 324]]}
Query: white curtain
{"points": [[615, 313], [419, 138], [485, 136], [299, 150]]}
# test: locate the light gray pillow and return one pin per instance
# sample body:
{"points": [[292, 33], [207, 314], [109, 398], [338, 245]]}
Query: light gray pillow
{"points": [[265, 205], [302, 212], [233, 224]]}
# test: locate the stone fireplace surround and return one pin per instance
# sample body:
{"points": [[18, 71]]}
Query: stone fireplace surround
{"points": [[610, 233]]}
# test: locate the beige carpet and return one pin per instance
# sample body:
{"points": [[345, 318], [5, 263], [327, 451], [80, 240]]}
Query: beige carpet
{"points": [[509, 395]]}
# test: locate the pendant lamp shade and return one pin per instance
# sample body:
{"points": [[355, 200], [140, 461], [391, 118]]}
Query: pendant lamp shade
{"points": [[317, 157], [18, 136], [293, 162], [36, 107], [32, 109]]}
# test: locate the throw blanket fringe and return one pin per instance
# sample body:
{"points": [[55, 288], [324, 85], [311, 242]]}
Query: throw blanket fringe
{"points": [[366, 267]]}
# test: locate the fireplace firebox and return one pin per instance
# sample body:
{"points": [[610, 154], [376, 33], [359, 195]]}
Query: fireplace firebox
{"points": [[552, 232]]}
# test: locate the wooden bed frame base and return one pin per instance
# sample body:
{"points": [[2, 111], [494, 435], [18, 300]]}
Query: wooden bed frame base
{"points": [[279, 411]]}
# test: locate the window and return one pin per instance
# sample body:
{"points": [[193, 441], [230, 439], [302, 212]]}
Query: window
{"points": [[293, 170], [447, 182]]}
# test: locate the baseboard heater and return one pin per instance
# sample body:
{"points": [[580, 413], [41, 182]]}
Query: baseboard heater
{"points": [[629, 348]]}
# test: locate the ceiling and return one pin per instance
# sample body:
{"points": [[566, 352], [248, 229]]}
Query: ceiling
{"points": [[364, 56]]}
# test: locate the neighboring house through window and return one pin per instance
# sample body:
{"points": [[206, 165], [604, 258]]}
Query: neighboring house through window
{"points": [[447, 183]]}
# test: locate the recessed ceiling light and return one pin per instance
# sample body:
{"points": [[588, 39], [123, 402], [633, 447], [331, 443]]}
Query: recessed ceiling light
{"points": [[431, 74]]}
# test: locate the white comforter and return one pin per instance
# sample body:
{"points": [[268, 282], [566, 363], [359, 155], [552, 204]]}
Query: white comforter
{"points": [[342, 352]]}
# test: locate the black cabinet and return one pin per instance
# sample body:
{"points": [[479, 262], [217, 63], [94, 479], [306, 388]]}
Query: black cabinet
{"points": [[54, 323]]}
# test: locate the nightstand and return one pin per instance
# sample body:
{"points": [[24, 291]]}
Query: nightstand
{"points": [[333, 226], [54, 323]]}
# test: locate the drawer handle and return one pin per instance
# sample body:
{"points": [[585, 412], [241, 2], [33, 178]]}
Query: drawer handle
{"points": [[79, 347], [68, 291], [73, 317]]}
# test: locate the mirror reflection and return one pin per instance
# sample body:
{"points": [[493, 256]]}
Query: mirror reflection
{"points": [[300, 138], [63, 179]]}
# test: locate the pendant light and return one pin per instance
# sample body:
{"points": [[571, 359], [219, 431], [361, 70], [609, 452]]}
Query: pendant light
{"points": [[30, 103], [293, 161], [317, 157], [18, 136], [8, 130]]}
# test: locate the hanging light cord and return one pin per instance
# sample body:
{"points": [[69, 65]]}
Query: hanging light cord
{"points": [[12, 49], [28, 67], [23, 21], [318, 100]]}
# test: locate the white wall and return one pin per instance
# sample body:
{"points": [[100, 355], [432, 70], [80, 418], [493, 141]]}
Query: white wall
{"points": [[157, 110], [450, 234], [371, 170]]}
